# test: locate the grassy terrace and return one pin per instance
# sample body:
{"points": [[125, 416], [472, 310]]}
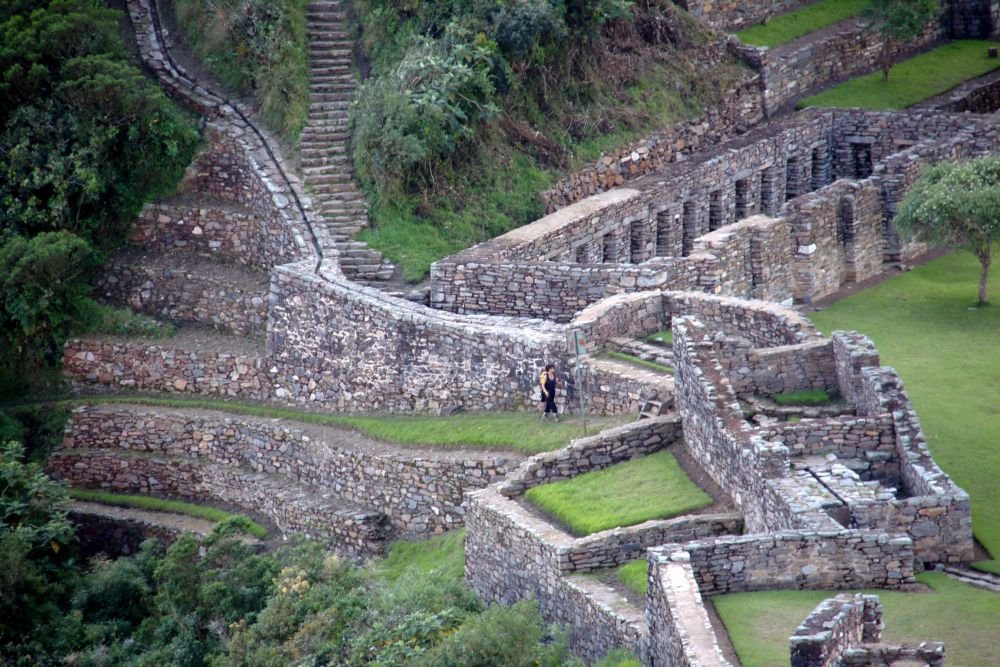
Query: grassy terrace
{"points": [[788, 27], [172, 506], [650, 487], [911, 81], [517, 431], [964, 617], [926, 326]]}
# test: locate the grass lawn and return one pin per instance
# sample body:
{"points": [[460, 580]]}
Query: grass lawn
{"points": [[787, 27], [518, 431], [805, 397], [636, 361], [946, 351], [650, 487], [912, 80], [161, 505], [444, 555], [633, 575], [962, 616]]}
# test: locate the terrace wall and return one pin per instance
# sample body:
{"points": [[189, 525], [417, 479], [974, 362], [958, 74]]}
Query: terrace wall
{"points": [[308, 511], [420, 491]]}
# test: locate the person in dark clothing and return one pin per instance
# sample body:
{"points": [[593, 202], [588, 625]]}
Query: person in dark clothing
{"points": [[548, 383]]}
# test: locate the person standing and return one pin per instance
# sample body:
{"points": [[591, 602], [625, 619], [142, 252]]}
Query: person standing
{"points": [[548, 383]]}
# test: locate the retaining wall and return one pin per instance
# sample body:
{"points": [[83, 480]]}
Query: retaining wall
{"points": [[817, 560], [293, 508], [184, 288], [420, 491], [680, 632], [115, 537], [846, 630]]}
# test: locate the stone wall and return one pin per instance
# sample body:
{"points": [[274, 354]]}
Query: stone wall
{"points": [[333, 341], [419, 490], [139, 365], [228, 230], [115, 537], [292, 507], [979, 96], [680, 632], [977, 19], [793, 70], [512, 555], [593, 453], [846, 630], [837, 624], [736, 15], [183, 288], [816, 560], [936, 514]]}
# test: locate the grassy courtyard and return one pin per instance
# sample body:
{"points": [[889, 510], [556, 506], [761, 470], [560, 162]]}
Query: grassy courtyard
{"points": [[926, 326], [650, 487], [911, 81], [788, 27], [964, 617]]}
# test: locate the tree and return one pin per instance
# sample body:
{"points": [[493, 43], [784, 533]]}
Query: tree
{"points": [[957, 204], [898, 22]]}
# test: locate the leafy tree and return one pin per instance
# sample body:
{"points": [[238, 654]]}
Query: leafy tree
{"points": [[35, 537], [898, 22], [957, 204], [43, 285]]}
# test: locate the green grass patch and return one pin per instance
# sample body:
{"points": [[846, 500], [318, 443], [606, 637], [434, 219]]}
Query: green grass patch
{"points": [[787, 27], [962, 616], [415, 230], [636, 361], [911, 81], [443, 555], [618, 658], [807, 397], [517, 431], [926, 326], [650, 487], [665, 337], [173, 506], [633, 576]]}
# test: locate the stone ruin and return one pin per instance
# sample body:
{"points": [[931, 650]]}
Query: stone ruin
{"points": [[708, 239]]}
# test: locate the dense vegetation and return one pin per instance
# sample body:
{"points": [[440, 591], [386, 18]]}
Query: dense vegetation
{"points": [[85, 140], [255, 47], [470, 108], [217, 602]]}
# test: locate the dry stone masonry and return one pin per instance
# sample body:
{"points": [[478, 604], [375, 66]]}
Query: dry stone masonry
{"points": [[706, 240]]}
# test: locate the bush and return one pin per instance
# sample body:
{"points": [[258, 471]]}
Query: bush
{"points": [[255, 47], [488, 639]]}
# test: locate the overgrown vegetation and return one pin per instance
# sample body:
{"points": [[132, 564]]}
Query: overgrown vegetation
{"points": [[217, 602], [633, 576], [85, 140], [470, 107], [212, 514], [946, 354], [962, 616], [255, 47], [785, 28], [649, 487], [913, 80]]}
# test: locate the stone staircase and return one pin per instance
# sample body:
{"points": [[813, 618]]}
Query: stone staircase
{"points": [[325, 145]]}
